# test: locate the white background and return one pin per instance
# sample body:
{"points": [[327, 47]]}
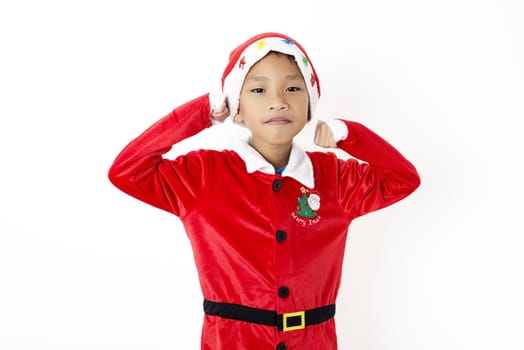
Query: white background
{"points": [[84, 266]]}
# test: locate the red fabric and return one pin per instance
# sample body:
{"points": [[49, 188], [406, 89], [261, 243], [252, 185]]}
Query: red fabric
{"points": [[231, 218]]}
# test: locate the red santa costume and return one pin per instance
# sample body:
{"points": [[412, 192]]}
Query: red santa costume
{"points": [[268, 247]]}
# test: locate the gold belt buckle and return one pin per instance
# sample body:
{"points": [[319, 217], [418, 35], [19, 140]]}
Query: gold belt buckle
{"points": [[285, 317]]}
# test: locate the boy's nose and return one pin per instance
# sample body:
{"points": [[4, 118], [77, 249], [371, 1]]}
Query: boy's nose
{"points": [[278, 102]]}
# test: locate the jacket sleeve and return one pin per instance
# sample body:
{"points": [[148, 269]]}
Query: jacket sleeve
{"points": [[141, 171], [378, 177]]}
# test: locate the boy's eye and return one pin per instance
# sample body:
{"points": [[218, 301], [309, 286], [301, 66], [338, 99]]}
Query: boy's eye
{"points": [[257, 90], [293, 89]]}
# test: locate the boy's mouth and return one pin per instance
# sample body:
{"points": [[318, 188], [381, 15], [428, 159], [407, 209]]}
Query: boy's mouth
{"points": [[278, 121]]}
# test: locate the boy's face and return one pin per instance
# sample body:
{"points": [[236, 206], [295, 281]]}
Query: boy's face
{"points": [[274, 101]]}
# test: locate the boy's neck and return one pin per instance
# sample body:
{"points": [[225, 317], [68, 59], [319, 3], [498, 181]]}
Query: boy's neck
{"points": [[278, 156]]}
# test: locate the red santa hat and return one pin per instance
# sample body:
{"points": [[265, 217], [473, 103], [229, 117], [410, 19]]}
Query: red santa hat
{"points": [[250, 52]]}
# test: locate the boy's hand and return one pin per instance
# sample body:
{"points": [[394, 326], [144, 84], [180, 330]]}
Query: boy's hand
{"points": [[218, 106], [324, 136], [220, 114]]}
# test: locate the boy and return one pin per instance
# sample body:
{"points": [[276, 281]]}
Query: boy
{"points": [[267, 221]]}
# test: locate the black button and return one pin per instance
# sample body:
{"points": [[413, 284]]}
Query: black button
{"points": [[283, 292], [281, 235], [281, 346], [277, 184]]}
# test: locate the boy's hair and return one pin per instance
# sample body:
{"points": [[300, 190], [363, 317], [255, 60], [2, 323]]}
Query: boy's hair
{"points": [[250, 52]]}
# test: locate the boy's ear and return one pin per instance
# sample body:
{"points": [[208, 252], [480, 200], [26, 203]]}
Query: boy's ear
{"points": [[238, 119]]}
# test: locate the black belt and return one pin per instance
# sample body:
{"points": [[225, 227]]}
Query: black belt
{"points": [[284, 322]]}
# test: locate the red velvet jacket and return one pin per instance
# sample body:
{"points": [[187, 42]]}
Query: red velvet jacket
{"points": [[232, 217]]}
